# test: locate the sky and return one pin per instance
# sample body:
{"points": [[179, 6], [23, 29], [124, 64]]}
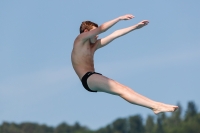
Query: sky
{"points": [[38, 84]]}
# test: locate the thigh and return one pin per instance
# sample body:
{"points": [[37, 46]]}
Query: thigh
{"points": [[101, 83]]}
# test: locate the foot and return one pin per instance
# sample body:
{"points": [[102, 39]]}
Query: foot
{"points": [[161, 107]]}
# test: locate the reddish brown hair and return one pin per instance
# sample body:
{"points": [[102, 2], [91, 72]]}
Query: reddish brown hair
{"points": [[87, 25]]}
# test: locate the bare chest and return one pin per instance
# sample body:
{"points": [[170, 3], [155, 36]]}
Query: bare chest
{"points": [[83, 53]]}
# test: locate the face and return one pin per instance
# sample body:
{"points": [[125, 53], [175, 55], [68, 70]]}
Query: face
{"points": [[93, 39]]}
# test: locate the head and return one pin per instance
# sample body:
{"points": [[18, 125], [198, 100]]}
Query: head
{"points": [[87, 26]]}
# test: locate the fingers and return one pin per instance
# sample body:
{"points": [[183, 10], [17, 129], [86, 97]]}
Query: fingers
{"points": [[129, 16], [145, 22], [142, 24]]}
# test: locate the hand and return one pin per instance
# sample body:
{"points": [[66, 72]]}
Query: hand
{"points": [[126, 17], [142, 24]]}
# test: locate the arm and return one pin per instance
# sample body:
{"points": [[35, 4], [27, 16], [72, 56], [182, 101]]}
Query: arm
{"points": [[121, 32], [86, 35]]}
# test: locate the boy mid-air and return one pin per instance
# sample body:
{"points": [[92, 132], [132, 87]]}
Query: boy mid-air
{"points": [[85, 45]]}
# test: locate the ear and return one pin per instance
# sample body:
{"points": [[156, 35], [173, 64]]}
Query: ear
{"points": [[85, 30]]}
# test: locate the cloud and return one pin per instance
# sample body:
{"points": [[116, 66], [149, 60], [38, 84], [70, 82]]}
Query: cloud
{"points": [[64, 77], [162, 60], [36, 83]]}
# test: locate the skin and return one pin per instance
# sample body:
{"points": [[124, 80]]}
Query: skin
{"points": [[82, 57]]}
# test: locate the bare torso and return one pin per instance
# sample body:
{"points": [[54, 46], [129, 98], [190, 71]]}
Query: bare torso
{"points": [[82, 57]]}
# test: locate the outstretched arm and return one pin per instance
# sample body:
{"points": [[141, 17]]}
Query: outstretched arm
{"points": [[86, 35], [104, 41]]}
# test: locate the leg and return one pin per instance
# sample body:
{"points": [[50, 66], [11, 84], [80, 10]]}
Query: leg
{"points": [[103, 84]]}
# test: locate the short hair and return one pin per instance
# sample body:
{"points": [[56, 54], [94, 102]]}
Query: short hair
{"points": [[87, 25]]}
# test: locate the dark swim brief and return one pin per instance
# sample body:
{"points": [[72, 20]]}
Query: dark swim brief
{"points": [[84, 80]]}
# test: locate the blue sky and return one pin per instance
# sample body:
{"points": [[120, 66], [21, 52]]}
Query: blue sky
{"points": [[38, 83]]}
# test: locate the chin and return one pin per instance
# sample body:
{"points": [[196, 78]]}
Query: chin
{"points": [[93, 41]]}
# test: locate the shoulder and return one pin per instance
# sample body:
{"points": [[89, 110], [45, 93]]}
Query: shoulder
{"points": [[80, 39], [78, 42]]}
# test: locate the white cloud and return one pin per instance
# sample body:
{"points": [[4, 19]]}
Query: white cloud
{"points": [[36, 82], [41, 80], [161, 60]]}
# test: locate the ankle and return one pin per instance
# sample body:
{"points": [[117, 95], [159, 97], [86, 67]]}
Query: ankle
{"points": [[155, 105]]}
